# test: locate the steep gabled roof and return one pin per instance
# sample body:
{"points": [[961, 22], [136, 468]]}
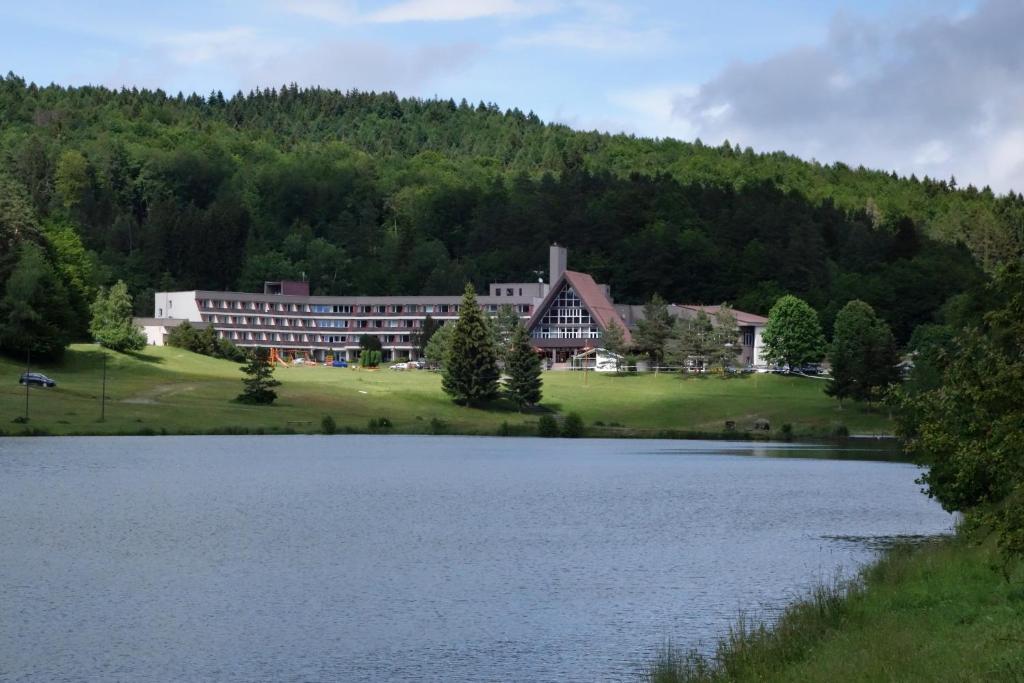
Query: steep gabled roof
{"points": [[592, 296], [742, 317]]}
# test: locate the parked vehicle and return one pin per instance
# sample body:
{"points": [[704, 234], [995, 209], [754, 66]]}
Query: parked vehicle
{"points": [[37, 379], [339, 364], [400, 366]]}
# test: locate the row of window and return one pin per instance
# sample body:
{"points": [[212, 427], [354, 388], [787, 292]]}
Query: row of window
{"points": [[286, 337], [266, 306]]}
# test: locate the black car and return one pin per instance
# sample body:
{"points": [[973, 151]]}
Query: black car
{"points": [[36, 378]]}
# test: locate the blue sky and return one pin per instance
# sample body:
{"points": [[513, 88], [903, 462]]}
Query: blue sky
{"points": [[933, 88]]}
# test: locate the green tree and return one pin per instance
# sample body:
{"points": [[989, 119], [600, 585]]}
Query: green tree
{"points": [[505, 324], [654, 330], [969, 432], [422, 337], [614, 338], [863, 354], [693, 340], [793, 334], [524, 369], [259, 379], [436, 350], [71, 179], [34, 312], [471, 368], [111, 325], [727, 338]]}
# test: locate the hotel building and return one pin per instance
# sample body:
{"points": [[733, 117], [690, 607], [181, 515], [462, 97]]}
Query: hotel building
{"points": [[567, 315]]}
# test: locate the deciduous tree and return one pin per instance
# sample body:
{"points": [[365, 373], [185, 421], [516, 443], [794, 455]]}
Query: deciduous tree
{"points": [[793, 334], [111, 325]]}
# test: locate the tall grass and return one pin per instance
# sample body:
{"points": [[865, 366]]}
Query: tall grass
{"points": [[753, 646]]}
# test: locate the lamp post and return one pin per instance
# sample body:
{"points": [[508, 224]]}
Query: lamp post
{"points": [[28, 369]]}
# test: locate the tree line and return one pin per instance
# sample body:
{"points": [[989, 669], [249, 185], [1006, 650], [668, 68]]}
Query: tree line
{"points": [[364, 193]]}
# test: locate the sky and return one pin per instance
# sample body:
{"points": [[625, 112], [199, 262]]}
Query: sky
{"points": [[930, 87]]}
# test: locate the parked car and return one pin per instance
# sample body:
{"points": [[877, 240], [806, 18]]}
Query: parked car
{"points": [[400, 366], [418, 364], [339, 364], [36, 378]]}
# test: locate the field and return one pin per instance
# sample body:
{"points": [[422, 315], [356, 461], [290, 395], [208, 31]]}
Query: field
{"points": [[164, 389]]}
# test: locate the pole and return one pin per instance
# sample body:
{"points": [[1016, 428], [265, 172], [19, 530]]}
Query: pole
{"points": [[103, 393], [28, 369]]}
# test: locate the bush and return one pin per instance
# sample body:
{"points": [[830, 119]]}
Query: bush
{"points": [[547, 426], [572, 428], [505, 429], [376, 425], [840, 430], [787, 430], [438, 426], [327, 425]]}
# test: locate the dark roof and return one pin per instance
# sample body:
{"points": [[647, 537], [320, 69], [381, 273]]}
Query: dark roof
{"points": [[634, 313], [592, 296]]}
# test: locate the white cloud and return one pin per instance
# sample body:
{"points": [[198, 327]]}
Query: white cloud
{"points": [[196, 47], [334, 11], [597, 38], [454, 10], [942, 96]]}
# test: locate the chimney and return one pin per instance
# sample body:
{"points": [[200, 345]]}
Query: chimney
{"points": [[556, 262]]}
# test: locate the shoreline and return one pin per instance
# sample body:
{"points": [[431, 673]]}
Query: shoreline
{"points": [[933, 610]]}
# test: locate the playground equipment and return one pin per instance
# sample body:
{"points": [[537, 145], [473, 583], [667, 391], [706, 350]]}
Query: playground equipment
{"points": [[276, 357]]}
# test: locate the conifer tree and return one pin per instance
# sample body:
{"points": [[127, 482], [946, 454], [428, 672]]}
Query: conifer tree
{"points": [[614, 338], [259, 379], [654, 330], [471, 368], [34, 311], [523, 367]]}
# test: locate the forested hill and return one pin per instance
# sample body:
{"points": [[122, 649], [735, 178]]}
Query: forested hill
{"points": [[370, 193]]}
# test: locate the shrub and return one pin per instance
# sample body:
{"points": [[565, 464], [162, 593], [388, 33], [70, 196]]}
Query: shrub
{"points": [[787, 430], [547, 426], [327, 425], [376, 425], [438, 426], [505, 429], [840, 430], [573, 427]]}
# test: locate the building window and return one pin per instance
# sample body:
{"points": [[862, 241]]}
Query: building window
{"points": [[566, 318]]}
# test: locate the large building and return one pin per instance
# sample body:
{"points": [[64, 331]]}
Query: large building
{"points": [[568, 314]]}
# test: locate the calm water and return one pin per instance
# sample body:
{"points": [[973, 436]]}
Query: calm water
{"points": [[401, 558]]}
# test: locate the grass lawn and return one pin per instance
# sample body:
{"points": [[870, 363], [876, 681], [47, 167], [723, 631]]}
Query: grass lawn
{"points": [[164, 388]]}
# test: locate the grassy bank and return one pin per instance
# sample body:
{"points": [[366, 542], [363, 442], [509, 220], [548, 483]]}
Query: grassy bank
{"points": [[167, 389], [937, 612]]}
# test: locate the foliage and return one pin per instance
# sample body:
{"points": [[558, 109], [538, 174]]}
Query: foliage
{"points": [[471, 368], [969, 431], [369, 358], [863, 354], [369, 342], [547, 426], [204, 341], [112, 325], [703, 341], [505, 324], [422, 337], [572, 426], [373, 194], [523, 366], [328, 425], [654, 329], [436, 350], [34, 311], [614, 338], [259, 379], [793, 335], [378, 425]]}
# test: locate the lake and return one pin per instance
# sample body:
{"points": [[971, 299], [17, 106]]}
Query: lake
{"points": [[361, 558]]}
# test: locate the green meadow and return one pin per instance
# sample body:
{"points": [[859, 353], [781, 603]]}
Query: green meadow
{"points": [[164, 389]]}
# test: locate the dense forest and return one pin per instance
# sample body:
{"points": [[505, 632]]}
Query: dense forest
{"points": [[366, 193]]}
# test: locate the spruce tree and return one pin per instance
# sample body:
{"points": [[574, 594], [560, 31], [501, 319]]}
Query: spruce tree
{"points": [[654, 330], [523, 368], [34, 311], [863, 354], [259, 379], [471, 368]]}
